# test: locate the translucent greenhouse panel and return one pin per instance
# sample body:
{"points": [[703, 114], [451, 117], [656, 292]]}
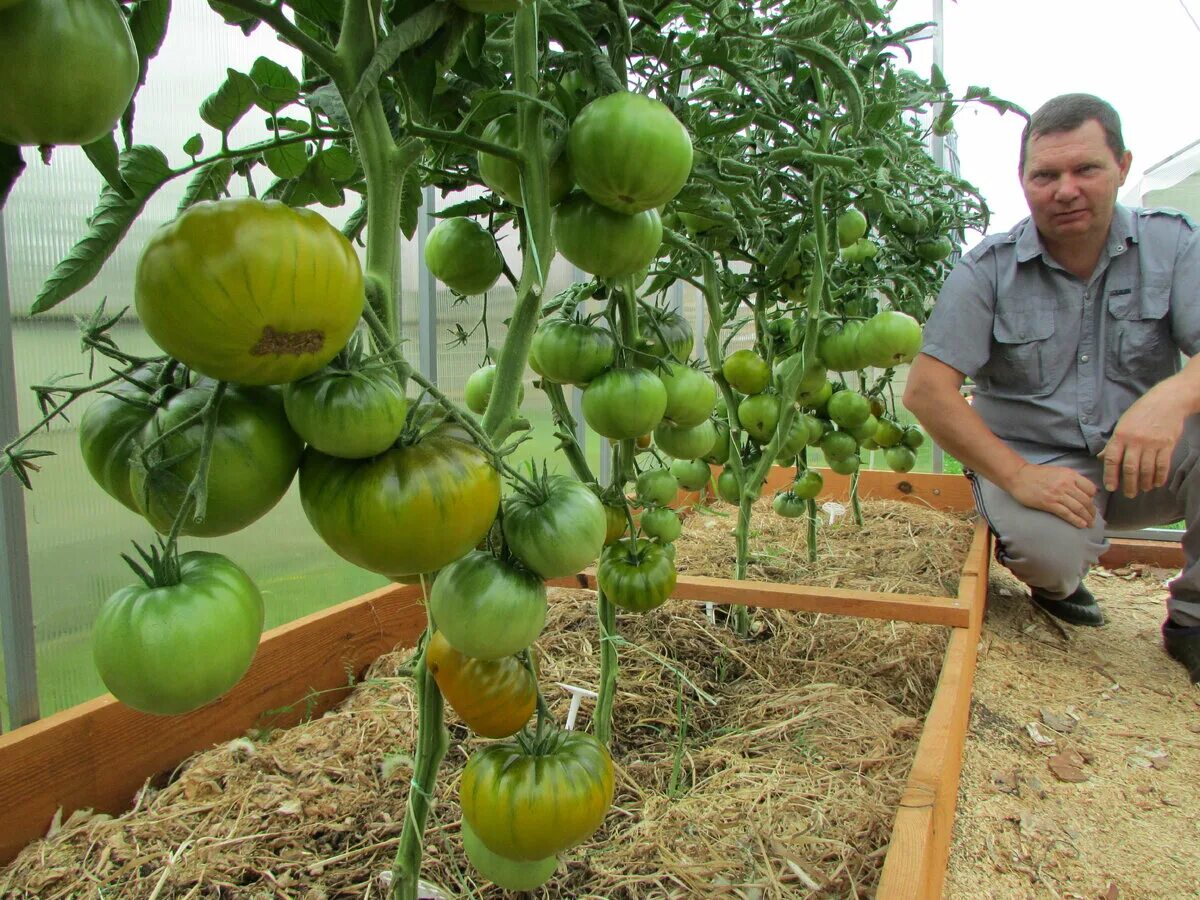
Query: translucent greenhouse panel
{"points": [[76, 532]]}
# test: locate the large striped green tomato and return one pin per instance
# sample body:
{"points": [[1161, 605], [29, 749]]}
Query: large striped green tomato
{"points": [[663, 334], [746, 371], [487, 608], [68, 69], [728, 488], [510, 874], [463, 255], [556, 529], [636, 575], [249, 291], [254, 458], [412, 509], [837, 347], [498, 173], [629, 153], [606, 243], [493, 697], [570, 351], [622, 404], [530, 805], [348, 413], [170, 649], [889, 338]]}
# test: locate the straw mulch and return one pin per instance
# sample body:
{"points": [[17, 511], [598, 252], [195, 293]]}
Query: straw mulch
{"points": [[762, 768]]}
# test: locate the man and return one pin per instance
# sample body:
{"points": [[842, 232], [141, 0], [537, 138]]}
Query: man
{"points": [[1071, 326]]}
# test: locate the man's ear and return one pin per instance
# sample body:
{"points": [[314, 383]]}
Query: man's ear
{"points": [[1123, 165]]}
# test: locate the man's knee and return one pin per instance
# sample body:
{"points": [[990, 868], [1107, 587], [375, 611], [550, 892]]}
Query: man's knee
{"points": [[1049, 554]]}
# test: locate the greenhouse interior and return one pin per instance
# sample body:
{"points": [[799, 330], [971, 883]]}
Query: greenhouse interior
{"points": [[562, 448]]}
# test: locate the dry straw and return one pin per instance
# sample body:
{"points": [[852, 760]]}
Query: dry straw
{"points": [[761, 768]]}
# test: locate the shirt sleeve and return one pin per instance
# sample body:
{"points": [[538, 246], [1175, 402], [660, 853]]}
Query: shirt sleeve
{"points": [[959, 330], [1185, 291]]}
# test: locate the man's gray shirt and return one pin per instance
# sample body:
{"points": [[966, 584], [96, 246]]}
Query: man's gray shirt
{"points": [[1055, 360]]}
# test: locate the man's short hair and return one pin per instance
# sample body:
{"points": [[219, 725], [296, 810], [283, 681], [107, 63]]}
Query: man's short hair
{"points": [[1066, 113]]}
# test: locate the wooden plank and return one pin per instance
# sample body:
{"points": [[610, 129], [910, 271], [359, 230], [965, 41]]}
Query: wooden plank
{"points": [[915, 866], [1123, 551], [919, 608], [948, 492], [98, 754]]}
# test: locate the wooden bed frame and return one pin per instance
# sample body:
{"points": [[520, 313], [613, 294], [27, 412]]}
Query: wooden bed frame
{"points": [[99, 754]]}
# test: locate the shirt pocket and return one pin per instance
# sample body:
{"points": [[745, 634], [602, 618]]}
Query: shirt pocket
{"points": [[1139, 334], [1022, 362]]}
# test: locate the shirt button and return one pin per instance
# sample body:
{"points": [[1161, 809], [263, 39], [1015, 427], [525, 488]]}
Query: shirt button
{"points": [[1084, 358]]}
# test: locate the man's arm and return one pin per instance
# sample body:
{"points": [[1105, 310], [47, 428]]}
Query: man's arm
{"points": [[933, 395]]}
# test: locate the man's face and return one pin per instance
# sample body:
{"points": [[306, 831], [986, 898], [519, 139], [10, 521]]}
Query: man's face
{"points": [[1070, 181]]}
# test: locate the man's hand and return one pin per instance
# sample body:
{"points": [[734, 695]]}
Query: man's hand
{"points": [[1057, 490], [1138, 455]]}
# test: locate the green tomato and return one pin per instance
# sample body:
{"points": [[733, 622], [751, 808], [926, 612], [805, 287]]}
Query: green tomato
{"points": [[728, 488], [848, 409], [636, 575], [487, 608], [510, 874], [808, 485], [746, 372], [254, 458], [493, 697], [249, 291], [838, 347], [851, 227], [820, 399], [788, 505], [558, 529], [629, 153], [686, 443], [690, 395], [913, 437], [463, 255], [692, 474], [662, 524], [502, 175], [759, 416], [477, 392], [663, 325], [68, 69], [657, 487], [838, 445], [889, 339], [605, 243], [171, 649], [569, 351], [530, 804], [109, 430], [900, 459], [847, 465], [888, 433], [722, 447], [622, 404], [935, 249], [412, 509], [352, 414]]}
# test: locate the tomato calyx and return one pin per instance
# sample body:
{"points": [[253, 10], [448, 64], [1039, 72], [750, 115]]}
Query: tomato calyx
{"points": [[159, 567]]}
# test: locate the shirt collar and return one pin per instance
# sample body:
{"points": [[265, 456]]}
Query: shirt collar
{"points": [[1120, 232]]}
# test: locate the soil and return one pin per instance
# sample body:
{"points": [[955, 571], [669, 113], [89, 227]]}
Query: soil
{"points": [[1103, 801]]}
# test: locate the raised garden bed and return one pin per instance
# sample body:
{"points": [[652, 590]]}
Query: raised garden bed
{"points": [[101, 754]]}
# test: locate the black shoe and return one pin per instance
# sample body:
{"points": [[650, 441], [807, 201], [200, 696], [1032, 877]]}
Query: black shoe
{"points": [[1183, 645], [1080, 608]]}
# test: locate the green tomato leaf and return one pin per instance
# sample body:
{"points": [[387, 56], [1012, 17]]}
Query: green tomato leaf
{"points": [[327, 100], [938, 80], [106, 158], [838, 75], [323, 12], [476, 207], [811, 26], [288, 161], [145, 170], [232, 100], [410, 202], [210, 182], [296, 126], [148, 25], [194, 146], [339, 163], [277, 87], [355, 224], [412, 32]]}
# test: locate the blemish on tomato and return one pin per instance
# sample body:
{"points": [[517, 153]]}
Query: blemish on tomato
{"points": [[287, 343]]}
